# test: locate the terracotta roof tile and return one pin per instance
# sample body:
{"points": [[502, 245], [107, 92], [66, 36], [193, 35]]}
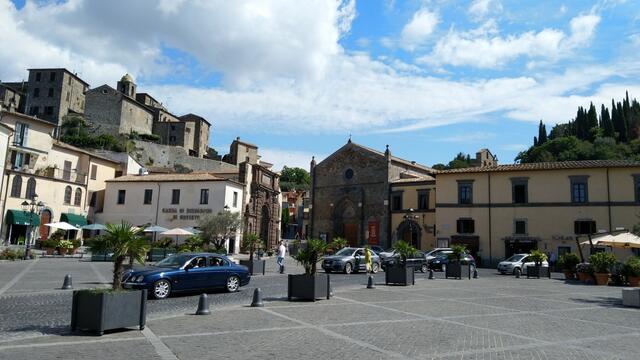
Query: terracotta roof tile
{"points": [[558, 165], [169, 177]]}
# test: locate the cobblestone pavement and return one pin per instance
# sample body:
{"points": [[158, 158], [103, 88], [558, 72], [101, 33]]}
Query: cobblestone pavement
{"points": [[493, 317]]}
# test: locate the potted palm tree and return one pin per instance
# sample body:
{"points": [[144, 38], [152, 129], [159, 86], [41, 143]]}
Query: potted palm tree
{"points": [[252, 243], [337, 244], [455, 268], [568, 263], [601, 263], [537, 269], [400, 273], [631, 270], [98, 310], [310, 285]]}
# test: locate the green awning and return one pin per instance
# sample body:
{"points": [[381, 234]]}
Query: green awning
{"points": [[19, 217], [73, 219]]}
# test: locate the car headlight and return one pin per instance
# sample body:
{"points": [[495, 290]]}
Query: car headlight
{"points": [[140, 278]]}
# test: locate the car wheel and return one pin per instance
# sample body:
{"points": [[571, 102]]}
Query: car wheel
{"points": [[233, 283], [375, 268], [443, 268], [161, 289], [516, 270], [348, 268], [424, 268]]}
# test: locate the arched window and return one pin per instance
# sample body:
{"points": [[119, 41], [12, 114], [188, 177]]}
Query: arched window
{"points": [[78, 198], [31, 188], [67, 195], [16, 186]]}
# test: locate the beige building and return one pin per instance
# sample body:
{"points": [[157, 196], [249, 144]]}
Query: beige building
{"points": [[171, 200], [413, 211], [500, 210], [69, 181]]}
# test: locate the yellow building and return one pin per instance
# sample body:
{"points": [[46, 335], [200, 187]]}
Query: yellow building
{"points": [[500, 210], [67, 180], [413, 211]]}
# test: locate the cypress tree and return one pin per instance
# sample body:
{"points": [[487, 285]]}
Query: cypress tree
{"points": [[592, 121], [619, 123], [542, 134], [607, 125]]}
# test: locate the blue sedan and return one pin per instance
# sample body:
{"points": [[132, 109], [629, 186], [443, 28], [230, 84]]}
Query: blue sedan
{"points": [[187, 272]]}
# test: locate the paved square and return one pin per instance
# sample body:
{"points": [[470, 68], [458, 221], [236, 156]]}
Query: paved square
{"points": [[493, 317]]}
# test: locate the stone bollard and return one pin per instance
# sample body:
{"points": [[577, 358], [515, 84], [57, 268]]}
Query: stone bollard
{"points": [[203, 305], [67, 285], [431, 274], [257, 298], [475, 273], [370, 284], [330, 290], [517, 273]]}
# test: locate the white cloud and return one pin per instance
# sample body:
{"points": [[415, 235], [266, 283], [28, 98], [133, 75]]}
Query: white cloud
{"points": [[284, 68], [290, 158], [484, 48], [479, 9], [418, 29]]}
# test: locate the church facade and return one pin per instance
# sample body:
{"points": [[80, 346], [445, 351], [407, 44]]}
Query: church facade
{"points": [[351, 194]]}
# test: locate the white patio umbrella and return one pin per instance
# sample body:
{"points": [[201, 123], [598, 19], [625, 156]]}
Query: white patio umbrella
{"points": [[155, 229], [62, 226], [177, 232], [623, 240], [193, 230], [95, 227]]}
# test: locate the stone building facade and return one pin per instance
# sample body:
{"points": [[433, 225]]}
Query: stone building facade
{"points": [[53, 93], [13, 96], [112, 112], [350, 195]]}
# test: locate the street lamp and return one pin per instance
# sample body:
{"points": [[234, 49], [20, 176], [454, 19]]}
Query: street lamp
{"points": [[31, 207], [410, 217]]}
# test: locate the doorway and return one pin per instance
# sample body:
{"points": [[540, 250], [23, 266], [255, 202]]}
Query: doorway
{"points": [[351, 234], [44, 230], [265, 220]]}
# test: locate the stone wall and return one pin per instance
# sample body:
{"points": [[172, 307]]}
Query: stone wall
{"points": [[103, 110], [157, 155], [135, 117]]}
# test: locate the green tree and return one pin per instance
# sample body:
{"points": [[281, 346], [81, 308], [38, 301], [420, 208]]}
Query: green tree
{"points": [[216, 229], [294, 178], [122, 240], [284, 218], [252, 242]]}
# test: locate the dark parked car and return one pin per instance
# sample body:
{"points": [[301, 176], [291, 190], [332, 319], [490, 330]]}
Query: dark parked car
{"points": [[188, 272], [439, 262], [418, 261], [377, 249], [349, 260]]}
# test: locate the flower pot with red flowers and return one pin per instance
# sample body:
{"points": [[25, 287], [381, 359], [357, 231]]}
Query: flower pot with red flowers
{"points": [[584, 272], [602, 263]]}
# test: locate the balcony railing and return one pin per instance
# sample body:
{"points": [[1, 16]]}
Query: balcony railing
{"points": [[52, 173]]}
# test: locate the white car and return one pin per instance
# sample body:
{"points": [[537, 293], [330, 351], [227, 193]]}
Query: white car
{"points": [[437, 251], [517, 262]]}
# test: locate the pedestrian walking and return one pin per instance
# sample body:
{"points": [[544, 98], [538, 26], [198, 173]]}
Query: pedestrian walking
{"points": [[282, 251]]}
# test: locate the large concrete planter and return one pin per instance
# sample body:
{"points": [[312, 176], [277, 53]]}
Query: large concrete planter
{"points": [[457, 270], [256, 267], [98, 311], [601, 278], [538, 272], [400, 275], [569, 275], [308, 287]]}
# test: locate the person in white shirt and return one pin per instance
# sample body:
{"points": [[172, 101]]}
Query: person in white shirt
{"points": [[282, 251]]}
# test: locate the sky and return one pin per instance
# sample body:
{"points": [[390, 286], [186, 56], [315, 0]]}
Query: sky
{"points": [[429, 78]]}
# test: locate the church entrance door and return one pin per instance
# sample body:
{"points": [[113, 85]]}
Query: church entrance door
{"points": [[351, 234]]}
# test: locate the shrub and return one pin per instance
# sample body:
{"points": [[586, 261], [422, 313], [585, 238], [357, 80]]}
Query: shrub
{"points": [[403, 249], [584, 268], [65, 244], [538, 256], [309, 255], [458, 251], [49, 244], [164, 243], [338, 243], [8, 254], [568, 261], [602, 261], [632, 267], [57, 235]]}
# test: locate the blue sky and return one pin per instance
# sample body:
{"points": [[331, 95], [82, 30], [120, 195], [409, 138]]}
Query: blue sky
{"points": [[429, 78]]}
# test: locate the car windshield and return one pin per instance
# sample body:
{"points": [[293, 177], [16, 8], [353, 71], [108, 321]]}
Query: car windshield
{"points": [[174, 261], [346, 252], [515, 258]]}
